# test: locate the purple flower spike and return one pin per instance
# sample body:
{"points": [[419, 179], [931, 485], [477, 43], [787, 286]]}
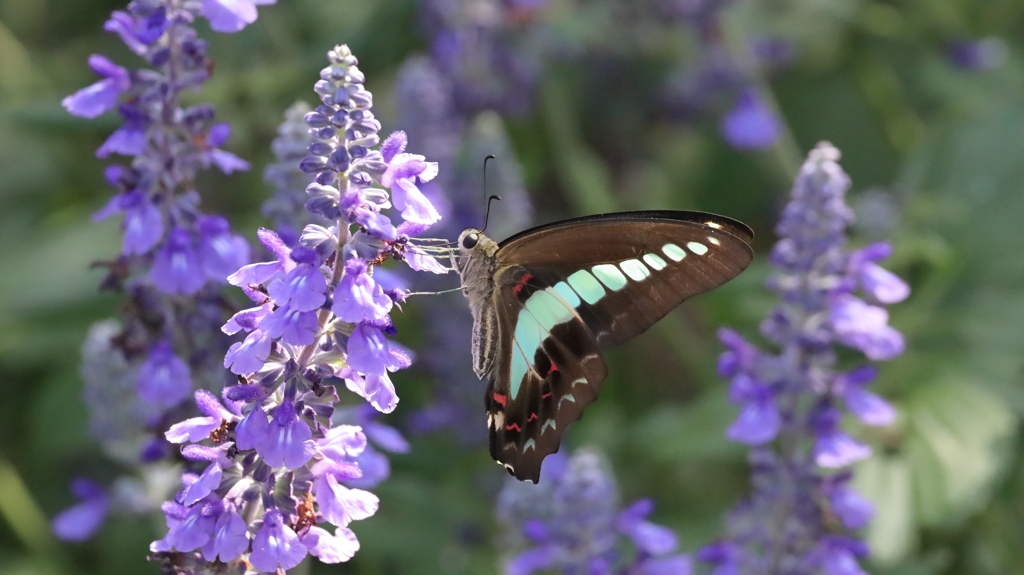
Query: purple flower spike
{"points": [[81, 521], [277, 475], [102, 96], [796, 395], [164, 378], [276, 545]]}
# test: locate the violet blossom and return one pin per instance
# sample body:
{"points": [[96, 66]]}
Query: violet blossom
{"points": [[273, 452], [791, 402], [140, 370]]}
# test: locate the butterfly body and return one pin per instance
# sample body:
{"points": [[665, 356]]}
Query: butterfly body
{"points": [[547, 300]]}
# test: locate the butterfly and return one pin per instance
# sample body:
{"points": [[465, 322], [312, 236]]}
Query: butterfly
{"points": [[547, 300]]}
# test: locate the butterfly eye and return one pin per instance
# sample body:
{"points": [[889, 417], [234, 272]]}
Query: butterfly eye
{"points": [[469, 242]]}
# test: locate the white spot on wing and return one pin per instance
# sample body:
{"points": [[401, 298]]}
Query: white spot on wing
{"points": [[714, 241], [697, 248], [544, 427], [530, 444]]}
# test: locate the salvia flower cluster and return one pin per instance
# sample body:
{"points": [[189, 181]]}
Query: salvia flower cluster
{"points": [[802, 513], [573, 524], [140, 371], [272, 459]]}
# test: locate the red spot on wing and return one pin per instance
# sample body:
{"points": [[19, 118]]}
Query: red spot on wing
{"points": [[546, 395], [512, 426], [522, 281], [532, 417], [553, 367], [501, 399]]}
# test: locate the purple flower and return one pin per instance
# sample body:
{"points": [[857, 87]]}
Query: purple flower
{"points": [[750, 124], [225, 161], [143, 224], [759, 418], [837, 555], [164, 378], [404, 172], [138, 35], [377, 389], [292, 326], [130, 139], [725, 555], [176, 267], [865, 327], [369, 353], [96, 99], [248, 355], [883, 285], [230, 538], [359, 298], [868, 407], [288, 439], [301, 289], [198, 428], [254, 429], [572, 521], [221, 253], [852, 508], [341, 505], [328, 548], [648, 537], [276, 545], [232, 16], [81, 521], [977, 55]]}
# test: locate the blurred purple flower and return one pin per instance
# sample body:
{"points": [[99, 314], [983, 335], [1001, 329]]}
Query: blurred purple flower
{"points": [[750, 124], [79, 522], [815, 276]]}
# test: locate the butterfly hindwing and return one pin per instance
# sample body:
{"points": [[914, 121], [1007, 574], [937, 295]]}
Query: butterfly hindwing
{"points": [[545, 374]]}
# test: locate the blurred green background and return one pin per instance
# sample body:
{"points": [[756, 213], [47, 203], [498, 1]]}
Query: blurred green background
{"points": [[934, 151]]}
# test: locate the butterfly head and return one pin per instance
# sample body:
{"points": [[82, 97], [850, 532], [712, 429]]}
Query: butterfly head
{"points": [[475, 253]]}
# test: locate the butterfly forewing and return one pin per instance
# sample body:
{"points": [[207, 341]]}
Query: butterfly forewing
{"points": [[629, 270], [562, 292]]}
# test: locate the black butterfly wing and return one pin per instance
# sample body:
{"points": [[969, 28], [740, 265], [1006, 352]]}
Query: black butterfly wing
{"points": [[566, 290], [548, 368], [634, 266]]}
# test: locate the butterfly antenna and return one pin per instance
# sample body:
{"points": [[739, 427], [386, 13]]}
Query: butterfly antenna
{"points": [[487, 213]]}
